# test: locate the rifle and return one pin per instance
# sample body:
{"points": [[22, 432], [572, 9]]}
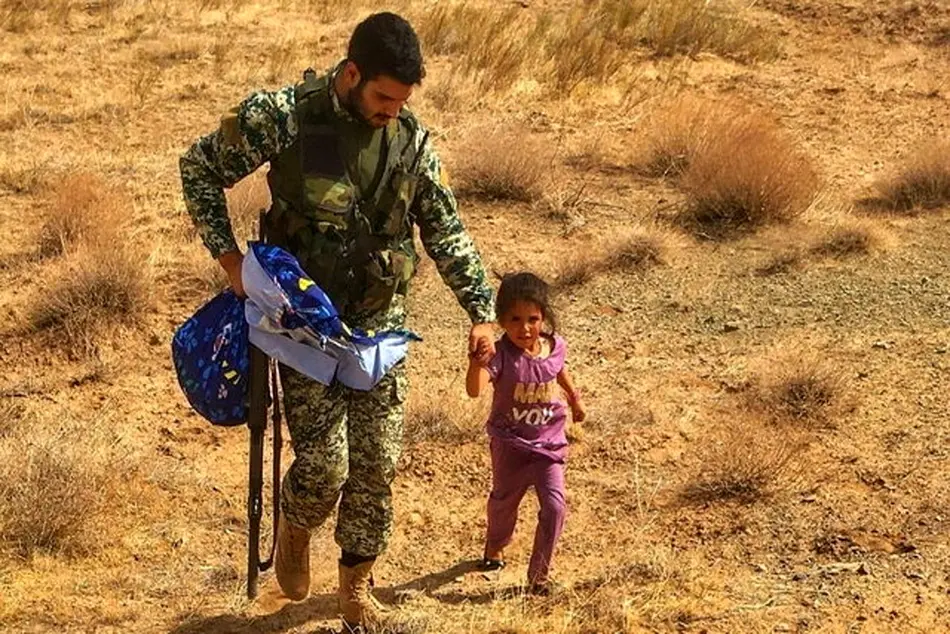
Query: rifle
{"points": [[263, 389]]}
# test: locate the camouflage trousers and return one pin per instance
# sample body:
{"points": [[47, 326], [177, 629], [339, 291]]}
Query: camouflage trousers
{"points": [[346, 444]]}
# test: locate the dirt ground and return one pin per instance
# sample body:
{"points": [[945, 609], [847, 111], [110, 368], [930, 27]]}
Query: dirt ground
{"points": [[852, 538]]}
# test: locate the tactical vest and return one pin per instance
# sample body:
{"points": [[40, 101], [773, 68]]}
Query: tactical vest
{"points": [[358, 248]]}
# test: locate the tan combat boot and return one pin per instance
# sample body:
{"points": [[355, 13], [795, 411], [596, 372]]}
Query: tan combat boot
{"points": [[292, 560], [358, 607]]}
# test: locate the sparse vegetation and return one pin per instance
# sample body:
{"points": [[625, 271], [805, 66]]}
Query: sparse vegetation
{"points": [[922, 183], [96, 290], [780, 263], [56, 482], [675, 132], [503, 164], [82, 209], [434, 422], [804, 390], [636, 250], [679, 410], [848, 239], [748, 174], [589, 44], [746, 462]]}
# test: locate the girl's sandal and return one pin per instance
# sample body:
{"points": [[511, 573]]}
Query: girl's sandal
{"points": [[490, 565]]}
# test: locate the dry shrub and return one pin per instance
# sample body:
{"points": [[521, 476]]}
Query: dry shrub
{"points": [[429, 421], [495, 48], [635, 251], [503, 164], [82, 208], [805, 390], [853, 237], [676, 131], [585, 48], [19, 15], [746, 461], [781, 263], [491, 47], [690, 27], [57, 481], [96, 290], [922, 183], [639, 249], [576, 270], [448, 28], [24, 177], [748, 174]]}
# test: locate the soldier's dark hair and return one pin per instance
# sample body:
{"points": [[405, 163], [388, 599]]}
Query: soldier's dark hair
{"points": [[525, 287], [386, 44]]}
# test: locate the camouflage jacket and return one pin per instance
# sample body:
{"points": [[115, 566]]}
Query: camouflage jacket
{"points": [[263, 126]]}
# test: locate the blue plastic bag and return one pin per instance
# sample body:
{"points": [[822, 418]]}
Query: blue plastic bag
{"points": [[212, 359]]}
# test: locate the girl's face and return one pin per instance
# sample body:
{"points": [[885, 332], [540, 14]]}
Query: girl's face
{"points": [[522, 322]]}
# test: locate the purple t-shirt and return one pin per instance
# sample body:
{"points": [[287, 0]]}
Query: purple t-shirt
{"points": [[527, 410]]}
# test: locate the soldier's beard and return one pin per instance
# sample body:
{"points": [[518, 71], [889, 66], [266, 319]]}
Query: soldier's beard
{"points": [[356, 106]]}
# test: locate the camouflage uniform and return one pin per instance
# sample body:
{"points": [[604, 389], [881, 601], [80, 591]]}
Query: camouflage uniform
{"points": [[344, 441]]}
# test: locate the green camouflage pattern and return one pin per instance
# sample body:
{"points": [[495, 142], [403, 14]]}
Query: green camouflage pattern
{"points": [[346, 446], [262, 127]]}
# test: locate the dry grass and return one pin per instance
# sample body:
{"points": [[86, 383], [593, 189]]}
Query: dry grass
{"points": [[851, 238], [462, 31], [808, 391], [576, 270], [636, 250], [95, 290], [781, 263], [20, 15], [59, 482], [82, 209], [503, 164], [746, 461], [442, 422], [747, 175], [588, 44], [922, 183], [640, 249], [24, 178], [675, 132], [690, 27]]}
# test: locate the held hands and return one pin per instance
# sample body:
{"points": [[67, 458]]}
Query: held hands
{"points": [[481, 344], [483, 353]]}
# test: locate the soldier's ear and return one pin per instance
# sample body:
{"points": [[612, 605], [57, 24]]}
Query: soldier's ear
{"points": [[351, 73]]}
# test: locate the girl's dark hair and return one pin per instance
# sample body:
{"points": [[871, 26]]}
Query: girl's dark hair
{"points": [[525, 287]]}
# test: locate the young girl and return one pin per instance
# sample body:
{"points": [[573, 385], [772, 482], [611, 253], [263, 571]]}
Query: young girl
{"points": [[526, 425]]}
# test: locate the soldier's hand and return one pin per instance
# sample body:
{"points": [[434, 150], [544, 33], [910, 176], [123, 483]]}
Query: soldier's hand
{"points": [[231, 263]]}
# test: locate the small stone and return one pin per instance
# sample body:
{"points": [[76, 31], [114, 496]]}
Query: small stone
{"points": [[730, 326], [799, 576], [782, 627], [941, 350], [760, 568], [882, 345], [809, 498]]}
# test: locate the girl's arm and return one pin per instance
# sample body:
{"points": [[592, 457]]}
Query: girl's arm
{"points": [[573, 396], [476, 380]]}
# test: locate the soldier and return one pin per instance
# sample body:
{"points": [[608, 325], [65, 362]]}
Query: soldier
{"points": [[351, 172]]}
